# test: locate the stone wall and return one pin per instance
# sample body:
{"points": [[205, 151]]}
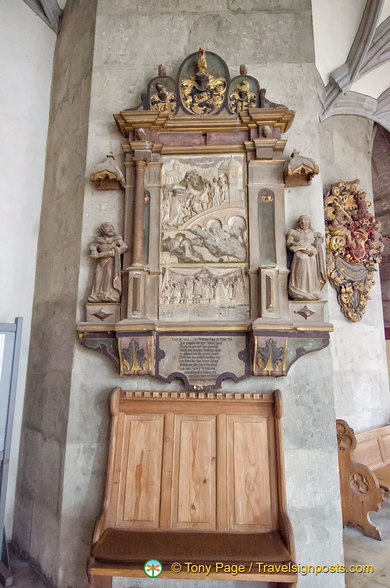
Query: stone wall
{"points": [[37, 528], [358, 349]]}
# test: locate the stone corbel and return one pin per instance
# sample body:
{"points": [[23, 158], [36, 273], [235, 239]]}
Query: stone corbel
{"points": [[299, 170], [107, 175]]}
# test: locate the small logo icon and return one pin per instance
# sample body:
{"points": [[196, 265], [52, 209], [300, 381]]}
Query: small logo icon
{"points": [[153, 568]]}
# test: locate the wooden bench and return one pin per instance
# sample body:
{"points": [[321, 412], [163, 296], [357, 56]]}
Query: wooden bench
{"points": [[360, 488], [373, 450], [194, 478]]}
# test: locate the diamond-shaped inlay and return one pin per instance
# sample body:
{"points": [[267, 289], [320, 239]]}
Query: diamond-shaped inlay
{"points": [[100, 314], [305, 312]]}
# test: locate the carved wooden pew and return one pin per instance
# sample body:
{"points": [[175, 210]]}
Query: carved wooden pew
{"points": [[373, 450], [359, 486], [194, 478]]}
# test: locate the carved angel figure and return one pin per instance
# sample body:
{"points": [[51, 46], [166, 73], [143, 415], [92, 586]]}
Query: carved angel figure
{"points": [[107, 249], [307, 274]]}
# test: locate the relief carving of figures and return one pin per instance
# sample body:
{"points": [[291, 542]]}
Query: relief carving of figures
{"points": [[307, 274], [107, 249], [216, 242], [205, 286], [353, 244], [204, 198], [203, 93]]}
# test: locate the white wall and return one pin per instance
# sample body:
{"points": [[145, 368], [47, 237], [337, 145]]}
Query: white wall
{"points": [[335, 24], [26, 58]]}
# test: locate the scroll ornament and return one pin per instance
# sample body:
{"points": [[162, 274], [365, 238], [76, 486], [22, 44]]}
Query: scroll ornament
{"points": [[353, 246]]}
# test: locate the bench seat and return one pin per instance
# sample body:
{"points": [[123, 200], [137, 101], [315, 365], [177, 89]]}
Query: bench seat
{"points": [[373, 450], [197, 480], [118, 546]]}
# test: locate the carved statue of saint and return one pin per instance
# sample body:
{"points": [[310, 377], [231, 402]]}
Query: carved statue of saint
{"points": [[107, 249], [307, 274]]}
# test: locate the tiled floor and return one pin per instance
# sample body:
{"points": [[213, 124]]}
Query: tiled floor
{"points": [[357, 550]]}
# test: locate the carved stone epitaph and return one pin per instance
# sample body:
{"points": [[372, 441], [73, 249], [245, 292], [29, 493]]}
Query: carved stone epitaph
{"points": [[204, 293]]}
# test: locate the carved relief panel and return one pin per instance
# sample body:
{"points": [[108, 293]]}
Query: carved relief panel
{"points": [[204, 239]]}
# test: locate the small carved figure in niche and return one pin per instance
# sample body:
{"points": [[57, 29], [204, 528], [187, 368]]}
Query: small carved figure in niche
{"points": [[141, 134], [162, 72], [266, 131], [307, 274], [242, 98], [162, 100], [107, 249], [223, 184]]}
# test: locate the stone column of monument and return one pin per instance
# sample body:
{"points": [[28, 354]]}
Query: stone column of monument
{"points": [[136, 291], [152, 237], [268, 271]]}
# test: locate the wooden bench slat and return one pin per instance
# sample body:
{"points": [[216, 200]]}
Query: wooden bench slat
{"points": [[133, 547], [383, 475]]}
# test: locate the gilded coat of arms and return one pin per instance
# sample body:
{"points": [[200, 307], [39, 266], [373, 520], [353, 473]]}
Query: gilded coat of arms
{"points": [[203, 93], [354, 245]]}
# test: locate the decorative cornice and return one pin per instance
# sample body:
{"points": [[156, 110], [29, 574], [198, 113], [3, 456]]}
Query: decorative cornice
{"points": [[130, 120], [222, 396]]}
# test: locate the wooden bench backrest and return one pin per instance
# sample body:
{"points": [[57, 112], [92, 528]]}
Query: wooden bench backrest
{"points": [[190, 464], [373, 447]]}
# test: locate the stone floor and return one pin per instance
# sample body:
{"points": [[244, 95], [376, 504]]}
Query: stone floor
{"points": [[363, 550], [23, 575], [357, 550]]}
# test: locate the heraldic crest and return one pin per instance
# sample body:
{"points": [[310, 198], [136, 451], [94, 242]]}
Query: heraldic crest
{"points": [[353, 246]]}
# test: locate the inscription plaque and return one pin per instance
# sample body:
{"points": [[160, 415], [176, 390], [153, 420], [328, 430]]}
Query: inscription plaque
{"points": [[200, 360]]}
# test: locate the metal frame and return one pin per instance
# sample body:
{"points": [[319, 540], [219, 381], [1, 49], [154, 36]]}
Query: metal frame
{"points": [[9, 363]]}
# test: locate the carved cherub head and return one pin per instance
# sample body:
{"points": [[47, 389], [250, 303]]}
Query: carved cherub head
{"points": [[141, 134]]}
